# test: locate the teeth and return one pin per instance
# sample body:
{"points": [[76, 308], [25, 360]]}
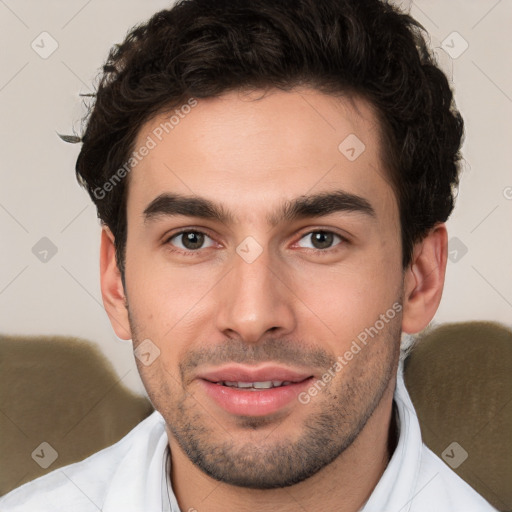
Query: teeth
{"points": [[256, 385], [262, 385], [242, 384]]}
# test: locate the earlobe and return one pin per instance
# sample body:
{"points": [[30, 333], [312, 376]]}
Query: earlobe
{"points": [[112, 291], [424, 280]]}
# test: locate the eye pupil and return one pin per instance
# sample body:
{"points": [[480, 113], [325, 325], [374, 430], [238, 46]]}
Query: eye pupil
{"points": [[322, 240], [193, 240]]}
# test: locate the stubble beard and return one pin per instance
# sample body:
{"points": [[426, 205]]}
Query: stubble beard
{"points": [[338, 414]]}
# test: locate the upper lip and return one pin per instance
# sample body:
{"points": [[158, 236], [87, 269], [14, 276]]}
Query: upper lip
{"points": [[237, 373]]}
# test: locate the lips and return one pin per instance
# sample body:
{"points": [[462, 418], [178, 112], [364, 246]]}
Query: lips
{"points": [[245, 374], [255, 385], [245, 391]]}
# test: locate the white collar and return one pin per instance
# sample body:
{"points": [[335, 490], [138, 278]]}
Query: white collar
{"points": [[395, 489]]}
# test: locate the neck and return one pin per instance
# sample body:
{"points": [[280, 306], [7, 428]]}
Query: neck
{"points": [[344, 485]]}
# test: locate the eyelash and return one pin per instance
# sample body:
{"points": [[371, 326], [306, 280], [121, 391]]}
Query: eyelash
{"points": [[344, 241]]}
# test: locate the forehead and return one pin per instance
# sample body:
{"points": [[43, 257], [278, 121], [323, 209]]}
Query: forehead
{"points": [[252, 150]]}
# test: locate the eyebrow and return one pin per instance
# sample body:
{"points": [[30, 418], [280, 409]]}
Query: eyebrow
{"points": [[317, 205]]}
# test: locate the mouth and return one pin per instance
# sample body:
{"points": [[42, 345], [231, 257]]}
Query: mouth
{"points": [[255, 386], [245, 391]]}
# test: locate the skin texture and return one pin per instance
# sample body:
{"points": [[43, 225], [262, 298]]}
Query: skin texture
{"points": [[293, 306]]}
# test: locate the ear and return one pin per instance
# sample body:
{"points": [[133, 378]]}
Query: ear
{"points": [[112, 290], [424, 280]]}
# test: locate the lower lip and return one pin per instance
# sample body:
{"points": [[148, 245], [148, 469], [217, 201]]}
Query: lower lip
{"points": [[253, 403]]}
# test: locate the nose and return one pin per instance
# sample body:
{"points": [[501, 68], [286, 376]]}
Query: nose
{"points": [[256, 299]]}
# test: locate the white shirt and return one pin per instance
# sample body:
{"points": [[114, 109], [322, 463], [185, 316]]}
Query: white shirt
{"points": [[132, 476]]}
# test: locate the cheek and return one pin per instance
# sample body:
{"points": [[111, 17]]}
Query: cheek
{"points": [[158, 291], [353, 294], [170, 305]]}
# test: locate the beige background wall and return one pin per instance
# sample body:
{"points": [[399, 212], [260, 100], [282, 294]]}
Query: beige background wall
{"points": [[39, 196]]}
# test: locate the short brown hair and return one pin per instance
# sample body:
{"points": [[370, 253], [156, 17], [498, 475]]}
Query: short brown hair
{"points": [[201, 49]]}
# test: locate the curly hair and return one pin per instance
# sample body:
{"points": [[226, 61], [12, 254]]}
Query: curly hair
{"points": [[204, 48]]}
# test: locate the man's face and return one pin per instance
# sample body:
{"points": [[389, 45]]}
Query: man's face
{"points": [[259, 296]]}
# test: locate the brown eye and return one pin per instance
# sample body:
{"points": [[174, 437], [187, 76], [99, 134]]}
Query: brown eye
{"points": [[322, 240], [192, 240], [188, 240]]}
